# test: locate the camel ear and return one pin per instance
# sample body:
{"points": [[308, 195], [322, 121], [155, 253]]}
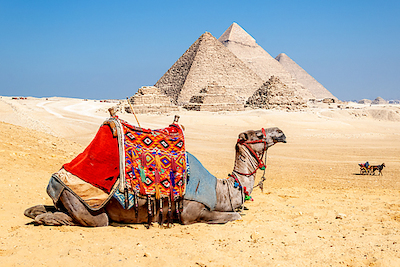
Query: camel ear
{"points": [[243, 136]]}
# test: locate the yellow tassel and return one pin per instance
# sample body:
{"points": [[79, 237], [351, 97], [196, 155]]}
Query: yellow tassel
{"points": [[157, 191], [158, 168], [158, 162]]}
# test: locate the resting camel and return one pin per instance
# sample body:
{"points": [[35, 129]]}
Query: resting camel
{"points": [[250, 149]]}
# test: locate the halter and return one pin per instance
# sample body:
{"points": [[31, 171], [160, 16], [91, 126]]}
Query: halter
{"points": [[261, 164]]}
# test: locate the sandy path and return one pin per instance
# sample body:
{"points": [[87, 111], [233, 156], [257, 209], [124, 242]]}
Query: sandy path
{"points": [[310, 180]]}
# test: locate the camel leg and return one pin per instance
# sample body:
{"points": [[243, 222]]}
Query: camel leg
{"points": [[55, 219], [80, 214], [34, 211], [48, 215], [195, 212], [75, 213]]}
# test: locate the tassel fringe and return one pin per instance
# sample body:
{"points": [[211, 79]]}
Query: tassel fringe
{"points": [[149, 215], [160, 216]]}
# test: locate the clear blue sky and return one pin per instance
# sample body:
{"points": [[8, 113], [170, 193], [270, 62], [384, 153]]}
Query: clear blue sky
{"points": [[108, 49]]}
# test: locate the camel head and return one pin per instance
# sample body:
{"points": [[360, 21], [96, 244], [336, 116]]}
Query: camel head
{"points": [[251, 146], [274, 135], [258, 138]]}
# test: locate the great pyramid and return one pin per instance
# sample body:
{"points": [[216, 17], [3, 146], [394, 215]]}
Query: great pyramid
{"points": [[207, 61], [245, 47], [297, 72]]}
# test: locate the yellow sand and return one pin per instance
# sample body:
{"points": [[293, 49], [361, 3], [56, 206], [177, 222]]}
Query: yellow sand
{"points": [[311, 180]]}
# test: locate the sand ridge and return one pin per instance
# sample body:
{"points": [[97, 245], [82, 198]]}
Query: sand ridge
{"points": [[315, 210]]}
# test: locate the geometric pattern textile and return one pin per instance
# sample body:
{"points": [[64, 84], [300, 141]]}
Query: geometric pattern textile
{"points": [[155, 161]]}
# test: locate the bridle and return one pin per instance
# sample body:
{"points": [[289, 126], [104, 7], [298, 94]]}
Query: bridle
{"points": [[261, 165]]}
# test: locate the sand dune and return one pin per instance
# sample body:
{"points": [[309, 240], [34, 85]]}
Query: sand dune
{"points": [[316, 210]]}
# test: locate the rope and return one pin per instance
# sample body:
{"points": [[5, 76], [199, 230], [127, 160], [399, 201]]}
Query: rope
{"points": [[261, 182], [133, 112]]}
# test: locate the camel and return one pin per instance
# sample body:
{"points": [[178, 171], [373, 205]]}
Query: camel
{"points": [[231, 194]]}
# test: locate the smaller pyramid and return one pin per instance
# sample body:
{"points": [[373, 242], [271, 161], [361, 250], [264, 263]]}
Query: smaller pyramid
{"points": [[297, 72], [379, 101], [365, 101], [274, 94], [149, 99], [213, 98]]}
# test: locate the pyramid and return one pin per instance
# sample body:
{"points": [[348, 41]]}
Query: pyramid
{"points": [[379, 101], [208, 61], [297, 72], [275, 94], [245, 47], [149, 99], [213, 98]]}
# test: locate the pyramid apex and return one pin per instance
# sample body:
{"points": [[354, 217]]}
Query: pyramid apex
{"points": [[282, 56], [237, 34], [206, 34]]}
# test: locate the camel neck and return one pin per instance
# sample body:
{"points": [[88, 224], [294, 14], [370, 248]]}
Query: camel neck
{"points": [[245, 162], [245, 168]]}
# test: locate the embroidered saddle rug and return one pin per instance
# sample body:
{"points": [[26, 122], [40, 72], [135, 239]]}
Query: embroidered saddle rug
{"points": [[155, 161]]}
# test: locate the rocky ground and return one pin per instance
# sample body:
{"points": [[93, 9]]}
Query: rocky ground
{"points": [[316, 210]]}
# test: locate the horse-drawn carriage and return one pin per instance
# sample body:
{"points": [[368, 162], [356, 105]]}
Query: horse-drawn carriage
{"points": [[366, 169]]}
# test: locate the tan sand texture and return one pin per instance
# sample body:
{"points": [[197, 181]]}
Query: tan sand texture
{"points": [[315, 210]]}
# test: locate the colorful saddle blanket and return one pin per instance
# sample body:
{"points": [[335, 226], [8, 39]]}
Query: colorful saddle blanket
{"points": [[153, 161]]}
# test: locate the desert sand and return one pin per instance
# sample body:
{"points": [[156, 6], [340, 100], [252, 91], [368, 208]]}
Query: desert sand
{"points": [[316, 210]]}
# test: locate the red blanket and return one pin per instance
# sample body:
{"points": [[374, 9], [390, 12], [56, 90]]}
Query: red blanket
{"points": [[99, 163]]}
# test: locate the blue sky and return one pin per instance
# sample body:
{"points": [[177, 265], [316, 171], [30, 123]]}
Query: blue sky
{"points": [[108, 49]]}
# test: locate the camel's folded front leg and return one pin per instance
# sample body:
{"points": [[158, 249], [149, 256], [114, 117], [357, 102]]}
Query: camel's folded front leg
{"points": [[48, 215], [195, 212]]}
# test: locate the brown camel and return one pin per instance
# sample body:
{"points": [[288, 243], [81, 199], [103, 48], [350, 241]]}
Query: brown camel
{"points": [[250, 150]]}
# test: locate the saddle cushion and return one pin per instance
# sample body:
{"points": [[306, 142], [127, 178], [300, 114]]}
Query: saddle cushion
{"points": [[92, 197]]}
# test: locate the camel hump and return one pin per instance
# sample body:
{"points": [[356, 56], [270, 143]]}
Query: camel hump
{"points": [[201, 184]]}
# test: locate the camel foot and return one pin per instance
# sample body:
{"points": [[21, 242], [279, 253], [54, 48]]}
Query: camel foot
{"points": [[54, 219], [34, 211]]}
